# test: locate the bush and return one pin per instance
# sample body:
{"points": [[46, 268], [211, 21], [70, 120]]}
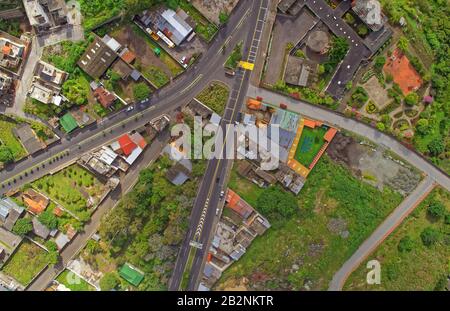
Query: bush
{"points": [[109, 281], [22, 226], [48, 219], [436, 210], [411, 99], [141, 91], [6, 155], [436, 146], [429, 236], [379, 62], [405, 245], [275, 202]]}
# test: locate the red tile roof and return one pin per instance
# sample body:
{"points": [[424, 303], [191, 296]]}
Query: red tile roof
{"points": [[237, 204], [126, 144], [138, 140], [128, 57], [403, 72], [104, 97]]}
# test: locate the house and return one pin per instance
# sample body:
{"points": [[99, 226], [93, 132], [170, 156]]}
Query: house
{"points": [[46, 14], [11, 51], [10, 212], [49, 73], [178, 174], [126, 144], [97, 58], [61, 240], [127, 56], [174, 26], [104, 97], [238, 205], [111, 43], [403, 73], [39, 229], [122, 68], [35, 201], [138, 140], [299, 71], [5, 83], [28, 138], [131, 274], [68, 122], [9, 240], [369, 11]]}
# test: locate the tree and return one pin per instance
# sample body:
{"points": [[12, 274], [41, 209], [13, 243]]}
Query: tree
{"points": [[53, 254], [275, 202], [429, 236], [403, 44], [381, 126], [22, 226], [412, 99], [48, 219], [436, 210], [6, 155], [436, 146], [379, 62], [141, 91], [223, 17], [405, 245], [422, 127], [362, 30], [109, 281]]}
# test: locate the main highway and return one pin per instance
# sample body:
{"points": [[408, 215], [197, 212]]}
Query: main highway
{"points": [[191, 259], [179, 92]]}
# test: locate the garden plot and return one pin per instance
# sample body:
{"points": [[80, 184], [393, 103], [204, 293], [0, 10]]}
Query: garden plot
{"points": [[8, 140], [74, 188], [158, 69], [377, 93]]}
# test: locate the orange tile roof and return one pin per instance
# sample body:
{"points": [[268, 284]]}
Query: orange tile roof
{"points": [[58, 212], [403, 72], [128, 57], [310, 123], [237, 204], [254, 104], [6, 50], [329, 135], [36, 202]]}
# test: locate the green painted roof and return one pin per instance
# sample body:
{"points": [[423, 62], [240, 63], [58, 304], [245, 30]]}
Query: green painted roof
{"points": [[68, 122], [131, 274]]}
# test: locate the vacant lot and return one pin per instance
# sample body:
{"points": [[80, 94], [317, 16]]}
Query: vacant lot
{"points": [[73, 282], [420, 268], [310, 144], [215, 8], [215, 96], [158, 69], [336, 214], [203, 28], [26, 263], [74, 188], [8, 139]]}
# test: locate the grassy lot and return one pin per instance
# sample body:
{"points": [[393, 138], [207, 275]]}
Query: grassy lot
{"points": [[96, 12], [416, 270], [174, 67], [72, 187], [67, 276], [8, 139], [312, 138], [309, 239], [28, 260], [156, 75], [215, 96], [204, 28]]}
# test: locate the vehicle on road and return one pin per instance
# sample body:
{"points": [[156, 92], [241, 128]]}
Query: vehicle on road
{"points": [[222, 194], [230, 72], [130, 108], [217, 211]]}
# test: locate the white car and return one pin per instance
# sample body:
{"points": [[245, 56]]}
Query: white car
{"points": [[130, 108], [183, 59]]}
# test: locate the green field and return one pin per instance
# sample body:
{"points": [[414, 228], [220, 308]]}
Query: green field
{"points": [[310, 143], [72, 187], [330, 194], [28, 260], [67, 278], [8, 139], [215, 96], [419, 269]]}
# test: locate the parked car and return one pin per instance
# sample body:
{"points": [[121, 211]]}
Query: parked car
{"points": [[130, 108]]}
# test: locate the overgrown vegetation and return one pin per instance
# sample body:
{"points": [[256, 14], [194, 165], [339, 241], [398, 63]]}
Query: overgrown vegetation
{"points": [[215, 96], [415, 257], [235, 57], [335, 214]]}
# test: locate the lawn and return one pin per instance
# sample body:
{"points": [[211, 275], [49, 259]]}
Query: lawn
{"points": [[310, 143], [215, 96], [28, 260], [8, 139], [204, 28], [309, 247], [156, 75], [96, 12], [67, 278], [72, 187], [419, 269]]}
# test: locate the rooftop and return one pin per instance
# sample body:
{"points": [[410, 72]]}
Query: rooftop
{"points": [[97, 58], [403, 72]]}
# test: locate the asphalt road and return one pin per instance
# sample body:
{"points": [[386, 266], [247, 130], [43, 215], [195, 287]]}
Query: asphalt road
{"points": [[209, 67], [203, 215], [128, 181], [381, 233]]}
